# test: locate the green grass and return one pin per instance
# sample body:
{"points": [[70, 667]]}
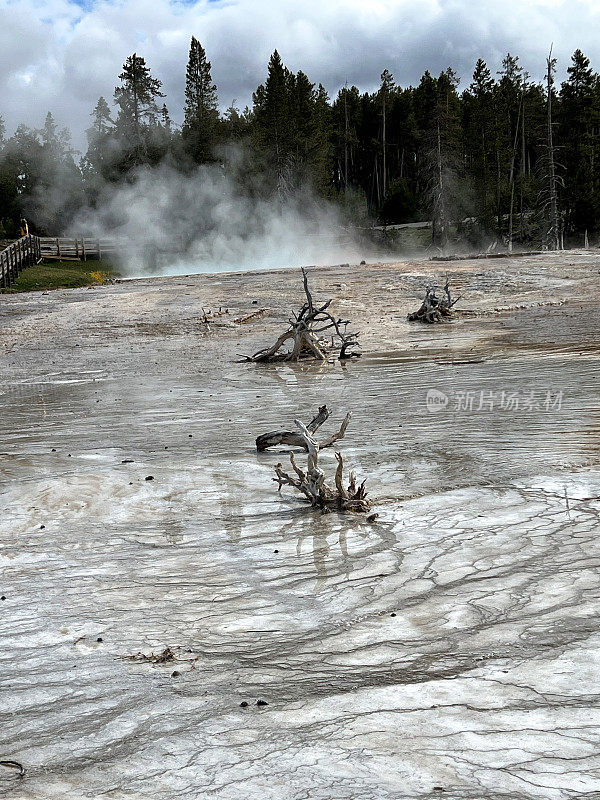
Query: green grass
{"points": [[63, 275]]}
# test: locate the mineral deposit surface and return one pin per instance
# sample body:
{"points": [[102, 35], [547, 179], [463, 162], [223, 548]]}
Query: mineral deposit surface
{"points": [[449, 649]]}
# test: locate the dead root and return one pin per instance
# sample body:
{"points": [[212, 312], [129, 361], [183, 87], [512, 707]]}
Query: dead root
{"points": [[313, 333], [434, 308], [311, 483]]}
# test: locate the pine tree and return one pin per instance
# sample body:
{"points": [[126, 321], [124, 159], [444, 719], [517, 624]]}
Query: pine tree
{"points": [[136, 98], [200, 125], [385, 92], [236, 125], [509, 106], [97, 164], [579, 118], [272, 116], [440, 154], [101, 119], [478, 127], [49, 133], [345, 116]]}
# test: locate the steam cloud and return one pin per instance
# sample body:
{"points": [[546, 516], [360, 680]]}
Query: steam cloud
{"points": [[172, 224]]}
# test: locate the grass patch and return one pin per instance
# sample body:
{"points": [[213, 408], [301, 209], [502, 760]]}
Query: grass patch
{"points": [[63, 275]]}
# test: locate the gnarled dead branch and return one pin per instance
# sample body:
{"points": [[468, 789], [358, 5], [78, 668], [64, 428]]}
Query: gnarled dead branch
{"points": [[314, 332], [434, 308], [311, 483], [272, 439]]}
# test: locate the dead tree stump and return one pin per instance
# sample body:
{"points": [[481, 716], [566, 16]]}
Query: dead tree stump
{"points": [[311, 483], [314, 332], [434, 308]]}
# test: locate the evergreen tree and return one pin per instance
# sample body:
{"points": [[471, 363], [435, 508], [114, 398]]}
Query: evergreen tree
{"points": [[442, 177], [509, 105], [9, 211], [138, 110], [579, 119], [200, 127], [272, 133], [98, 164], [385, 96], [102, 122], [478, 127], [236, 126], [345, 119]]}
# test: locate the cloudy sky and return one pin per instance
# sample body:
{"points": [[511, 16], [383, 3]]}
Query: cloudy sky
{"points": [[61, 55]]}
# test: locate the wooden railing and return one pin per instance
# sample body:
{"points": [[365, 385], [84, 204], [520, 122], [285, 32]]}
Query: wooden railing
{"points": [[24, 252], [77, 248]]}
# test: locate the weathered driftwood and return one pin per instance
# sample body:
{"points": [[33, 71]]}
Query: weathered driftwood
{"points": [[295, 439], [209, 316], [314, 332], [434, 308], [311, 483], [272, 439], [253, 315]]}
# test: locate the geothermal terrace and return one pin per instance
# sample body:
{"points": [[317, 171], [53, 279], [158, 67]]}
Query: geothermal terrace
{"points": [[449, 649]]}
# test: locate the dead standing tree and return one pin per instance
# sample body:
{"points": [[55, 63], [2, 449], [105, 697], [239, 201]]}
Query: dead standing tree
{"points": [[434, 308], [311, 483], [307, 331], [552, 234]]}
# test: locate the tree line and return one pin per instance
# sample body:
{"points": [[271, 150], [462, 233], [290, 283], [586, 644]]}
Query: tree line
{"points": [[507, 158]]}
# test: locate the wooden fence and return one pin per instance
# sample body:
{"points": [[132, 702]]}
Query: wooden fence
{"points": [[76, 249], [24, 252]]}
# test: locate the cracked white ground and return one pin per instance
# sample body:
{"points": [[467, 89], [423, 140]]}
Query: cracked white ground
{"points": [[450, 649]]}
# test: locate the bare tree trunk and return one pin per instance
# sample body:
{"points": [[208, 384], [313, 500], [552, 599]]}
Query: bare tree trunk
{"points": [[553, 233], [498, 177], [378, 190], [523, 158], [439, 223], [384, 154], [512, 180]]}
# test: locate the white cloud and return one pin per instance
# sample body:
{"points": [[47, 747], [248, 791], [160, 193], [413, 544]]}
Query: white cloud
{"points": [[57, 56]]}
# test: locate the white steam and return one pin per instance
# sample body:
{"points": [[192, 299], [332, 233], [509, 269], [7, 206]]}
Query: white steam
{"points": [[172, 224]]}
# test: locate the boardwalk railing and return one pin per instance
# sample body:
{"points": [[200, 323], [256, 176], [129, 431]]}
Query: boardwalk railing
{"points": [[76, 249], [24, 252]]}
